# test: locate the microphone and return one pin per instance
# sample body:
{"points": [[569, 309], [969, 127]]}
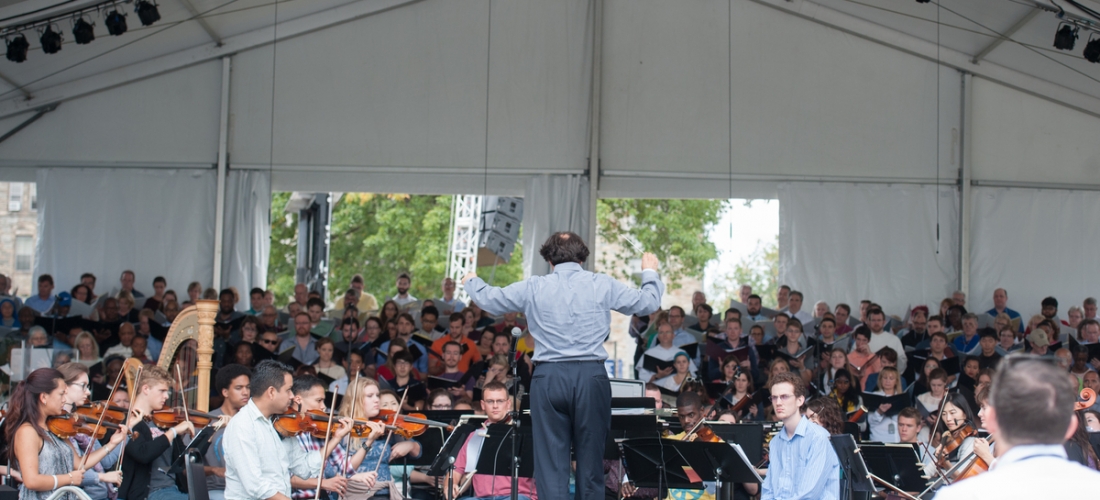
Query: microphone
{"points": [[516, 332]]}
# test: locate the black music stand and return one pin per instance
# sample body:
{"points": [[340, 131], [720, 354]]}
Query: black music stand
{"points": [[655, 462], [855, 468], [444, 461], [497, 439], [629, 426], [899, 463]]}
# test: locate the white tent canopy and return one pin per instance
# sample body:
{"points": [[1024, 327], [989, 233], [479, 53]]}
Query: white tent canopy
{"points": [[708, 99]]}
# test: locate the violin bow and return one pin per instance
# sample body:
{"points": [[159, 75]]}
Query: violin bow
{"points": [[328, 434], [354, 406], [133, 397], [99, 423], [183, 400], [389, 434]]}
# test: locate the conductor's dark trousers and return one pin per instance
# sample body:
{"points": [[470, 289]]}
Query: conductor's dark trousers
{"points": [[570, 406]]}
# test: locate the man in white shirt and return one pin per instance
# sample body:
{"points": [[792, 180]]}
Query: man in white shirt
{"points": [[794, 308], [258, 461], [876, 321], [403, 283], [1032, 405]]}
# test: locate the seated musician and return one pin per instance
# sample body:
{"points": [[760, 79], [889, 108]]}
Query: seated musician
{"points": [[148, 458], [689, 410], [930, 401], [740, 387], [43, 459], [309, 395], [912, 430], [97, 481], [953, 434], [496, 403], [232, 383], [1033, 407], [373, 453], [803, 463]]}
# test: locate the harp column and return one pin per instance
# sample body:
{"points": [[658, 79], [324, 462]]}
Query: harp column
{"points": [[207, 311]]}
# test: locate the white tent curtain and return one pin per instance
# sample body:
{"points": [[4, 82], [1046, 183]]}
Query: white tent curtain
{"points": [[1034, 243], [247, 231], [156, 222], [552, 203], [844, 243]]}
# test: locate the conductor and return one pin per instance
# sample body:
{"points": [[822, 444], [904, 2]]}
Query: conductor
{"points": [[568, 314]]}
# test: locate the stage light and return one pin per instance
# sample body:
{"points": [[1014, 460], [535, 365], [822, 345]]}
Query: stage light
{"points": [[115, 22], [147, 12], [1065, 37], [923, 1], [83, 33], [17, 48], [51, 40], [1092, 49]]}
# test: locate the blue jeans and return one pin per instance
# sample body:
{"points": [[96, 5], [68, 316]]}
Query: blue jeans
{"points": [[169, 493]]}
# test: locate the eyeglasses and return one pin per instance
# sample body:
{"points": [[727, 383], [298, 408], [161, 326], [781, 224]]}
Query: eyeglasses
{"points": [[269, 341], [495, 402], [83, 387], [782, 398]]}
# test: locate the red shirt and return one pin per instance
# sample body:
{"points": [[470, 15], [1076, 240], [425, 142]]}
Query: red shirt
{"points": [[471, 356]]}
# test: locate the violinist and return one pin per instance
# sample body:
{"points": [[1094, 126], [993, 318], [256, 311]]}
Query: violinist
{"points": [[911, 430], [372, 454], [1032, 403], [495, 403], [309, 395], [44, 460], [148, 458], [232, 382], [690, 412], [98, 477], [983, 447], [955, 432], [258, 462]]}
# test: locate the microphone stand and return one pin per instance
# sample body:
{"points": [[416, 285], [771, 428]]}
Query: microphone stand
{"points": [[515, 412]]}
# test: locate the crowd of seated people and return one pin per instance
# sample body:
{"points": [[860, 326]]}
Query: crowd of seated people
{"points": [[889, 378]]}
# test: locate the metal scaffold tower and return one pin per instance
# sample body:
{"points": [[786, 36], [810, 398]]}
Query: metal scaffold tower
{"points": [[465, 229]]}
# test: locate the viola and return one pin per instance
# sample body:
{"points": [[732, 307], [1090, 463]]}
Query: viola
{"points": [[67, 426], [111, 414], [166, 419], [1088, 398], [977, 466], [951, 441]]}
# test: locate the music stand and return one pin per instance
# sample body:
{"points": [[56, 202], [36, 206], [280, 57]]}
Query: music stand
{"points": [[444, 461], [851, 460], [655, 462], [629, 426], [498, 438], [897, 462], [719, 461]]}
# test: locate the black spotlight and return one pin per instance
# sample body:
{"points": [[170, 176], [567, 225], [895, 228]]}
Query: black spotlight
{"points": [[17, 48], [83, 33], [147, 12], [1065, 37], [51, 41], [115, 22], [1092, 49]]}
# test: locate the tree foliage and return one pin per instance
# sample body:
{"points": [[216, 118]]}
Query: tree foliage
{"points": [[760, 270], [379, 236], [674, 230]]}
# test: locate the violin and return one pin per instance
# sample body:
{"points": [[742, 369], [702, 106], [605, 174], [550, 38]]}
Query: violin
{"points": [[166, 419], [114, 414], [408, 425], [67, 426], [857, 414], [951, 441], [977, 466], [1088, 398], [316, 424], [706, 435]]}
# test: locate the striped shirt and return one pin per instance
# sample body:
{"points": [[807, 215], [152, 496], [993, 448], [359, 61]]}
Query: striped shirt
{"points": [[803, 466]]}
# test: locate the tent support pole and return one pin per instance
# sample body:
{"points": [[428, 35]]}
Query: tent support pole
{"points": [[223, 156], [965, 175], [594, 129]]}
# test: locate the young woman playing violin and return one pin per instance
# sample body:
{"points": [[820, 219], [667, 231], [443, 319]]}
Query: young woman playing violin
{"points": [[98, 479], [45, 461], [740, 382], [955, 431], [309, 395], [372, 453]]}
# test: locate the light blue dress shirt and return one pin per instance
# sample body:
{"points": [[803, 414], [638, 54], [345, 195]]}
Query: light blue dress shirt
{"points": [[568, 310], [258, 461], [803, 466]]}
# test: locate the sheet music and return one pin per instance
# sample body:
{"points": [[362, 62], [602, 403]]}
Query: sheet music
{"points": [[741, 452]]}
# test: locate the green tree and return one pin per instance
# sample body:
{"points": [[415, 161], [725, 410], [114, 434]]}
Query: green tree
{"points": [[379, 236], [283, 254], [760, 270], [674, 230]]}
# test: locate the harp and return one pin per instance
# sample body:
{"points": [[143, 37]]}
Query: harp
{"points": [[195, 324]]}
